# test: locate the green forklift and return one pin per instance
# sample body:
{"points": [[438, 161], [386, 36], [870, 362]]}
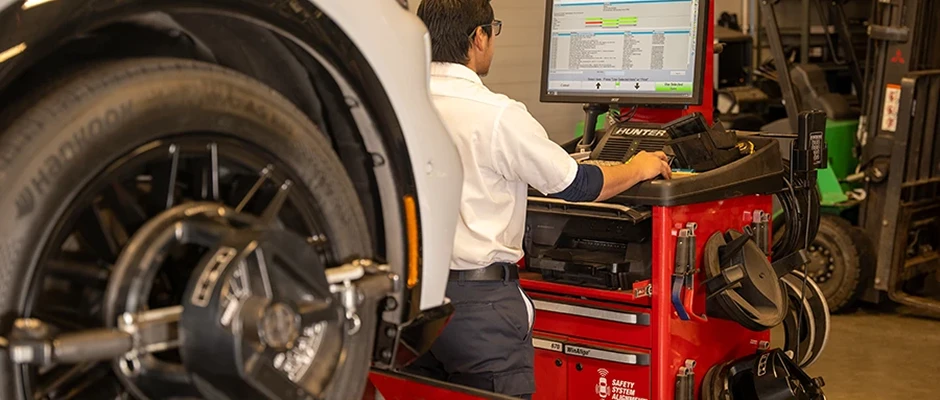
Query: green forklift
{"points": [[879, 236]]}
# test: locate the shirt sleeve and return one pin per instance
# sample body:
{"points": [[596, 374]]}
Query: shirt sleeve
{"points": [[522, 151]]}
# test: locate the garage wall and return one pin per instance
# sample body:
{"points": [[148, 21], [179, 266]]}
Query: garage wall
{"points": [[516, 68]]}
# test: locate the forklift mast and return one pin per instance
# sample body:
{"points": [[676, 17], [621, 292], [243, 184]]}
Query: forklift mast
{"points": [[900, 154], [804, 86]]}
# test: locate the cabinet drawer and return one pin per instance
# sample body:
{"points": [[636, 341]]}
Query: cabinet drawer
{"points": [[614, 374], [592, 320], [567, 368]]}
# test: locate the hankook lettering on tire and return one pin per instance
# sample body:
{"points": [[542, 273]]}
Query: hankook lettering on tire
{"points": [[53, 164]]}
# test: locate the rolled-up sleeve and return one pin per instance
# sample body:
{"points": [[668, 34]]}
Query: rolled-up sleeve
{"points": [[522, 151]]}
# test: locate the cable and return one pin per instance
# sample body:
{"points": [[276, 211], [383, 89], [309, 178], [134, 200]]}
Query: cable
{"points": [[807, 239], [800, 205], [621, 118]]}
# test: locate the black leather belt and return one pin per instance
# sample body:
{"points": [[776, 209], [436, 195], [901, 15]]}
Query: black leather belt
{"points": [[492, 272]]}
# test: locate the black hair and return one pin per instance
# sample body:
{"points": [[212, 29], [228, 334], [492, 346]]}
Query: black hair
{"points": [[451, 24]]}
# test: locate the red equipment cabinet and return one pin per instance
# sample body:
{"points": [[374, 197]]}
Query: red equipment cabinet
{"points": [[622, 323], [638, 344]]}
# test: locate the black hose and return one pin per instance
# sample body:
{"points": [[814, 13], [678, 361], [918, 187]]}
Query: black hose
{"points": [[800, 205]]}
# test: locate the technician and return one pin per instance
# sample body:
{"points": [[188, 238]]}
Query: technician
{"points": [[503, 150]]}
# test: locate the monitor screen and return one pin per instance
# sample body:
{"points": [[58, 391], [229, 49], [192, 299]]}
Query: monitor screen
{"points": [[643, 52]]}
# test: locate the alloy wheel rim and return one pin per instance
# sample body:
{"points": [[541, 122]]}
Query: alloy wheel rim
{"points": [[86, 241]]}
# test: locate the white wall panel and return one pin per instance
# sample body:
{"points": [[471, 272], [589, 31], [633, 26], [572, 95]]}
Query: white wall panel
{"points": [[516, 68]]}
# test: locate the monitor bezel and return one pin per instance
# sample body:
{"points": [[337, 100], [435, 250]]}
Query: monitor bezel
{"points": [[627, 98]]}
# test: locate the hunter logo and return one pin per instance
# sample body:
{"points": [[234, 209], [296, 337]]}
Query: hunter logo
{"points": [[55, 163]]}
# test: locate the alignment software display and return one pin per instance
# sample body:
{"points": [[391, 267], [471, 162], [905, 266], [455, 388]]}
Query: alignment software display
{"points": [[624, 51]]}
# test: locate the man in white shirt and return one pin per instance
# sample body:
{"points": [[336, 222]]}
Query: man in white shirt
{"points": [[503, 150]]}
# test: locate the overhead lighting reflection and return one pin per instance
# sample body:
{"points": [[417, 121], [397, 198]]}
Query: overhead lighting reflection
{"points": [[12, 52], [33, 3]]}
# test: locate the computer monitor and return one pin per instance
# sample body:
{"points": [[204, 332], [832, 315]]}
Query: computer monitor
{"points": [[633, 52]]}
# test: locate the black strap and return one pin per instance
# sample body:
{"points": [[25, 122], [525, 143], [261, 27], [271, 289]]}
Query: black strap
{"points": [[494, 272], [791, 262]]}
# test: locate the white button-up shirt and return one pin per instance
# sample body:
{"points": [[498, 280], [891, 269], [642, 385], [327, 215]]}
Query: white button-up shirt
{"points": [[503, 150]]}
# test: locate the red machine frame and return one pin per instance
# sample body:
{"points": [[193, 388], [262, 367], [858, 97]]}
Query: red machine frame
{"points": [[623, 345]]}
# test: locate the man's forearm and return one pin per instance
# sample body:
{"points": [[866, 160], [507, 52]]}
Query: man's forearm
{"points": [[618, 179], [599, 183]]}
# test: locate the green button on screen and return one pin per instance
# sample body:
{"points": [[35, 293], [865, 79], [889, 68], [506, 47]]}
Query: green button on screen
{"points": [[675, 87]]}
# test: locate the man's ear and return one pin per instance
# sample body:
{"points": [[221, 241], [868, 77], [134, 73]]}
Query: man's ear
{"points": [[479, 38]]}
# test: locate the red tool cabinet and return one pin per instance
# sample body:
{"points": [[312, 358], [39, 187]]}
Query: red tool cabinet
{"points": [[630, 345]]}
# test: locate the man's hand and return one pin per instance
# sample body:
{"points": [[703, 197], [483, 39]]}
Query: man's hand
{"points": [[643, 166], [651, 165]]}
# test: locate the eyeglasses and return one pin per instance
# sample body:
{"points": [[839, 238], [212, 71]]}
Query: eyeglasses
{"points": [[497, 28]]}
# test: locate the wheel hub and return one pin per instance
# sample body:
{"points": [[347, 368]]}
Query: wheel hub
{"points": [[280, 326], [257, 307], [259, 318], [135, 272], [822, 263]]}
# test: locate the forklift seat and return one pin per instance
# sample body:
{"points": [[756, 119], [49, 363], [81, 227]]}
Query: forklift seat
{"points": [[809, 80]]}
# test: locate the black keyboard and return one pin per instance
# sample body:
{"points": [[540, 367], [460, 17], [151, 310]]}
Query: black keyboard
{"points": [[625, 140]]}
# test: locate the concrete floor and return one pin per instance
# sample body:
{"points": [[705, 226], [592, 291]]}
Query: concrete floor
{"points": [[881, 355]]}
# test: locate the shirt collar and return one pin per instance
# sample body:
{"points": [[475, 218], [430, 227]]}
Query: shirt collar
{"points": [[452, 70]]}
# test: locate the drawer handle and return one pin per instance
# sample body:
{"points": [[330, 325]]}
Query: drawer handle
{"points": [[590, 352], [606, 355], [596, 313], [549, 345]]}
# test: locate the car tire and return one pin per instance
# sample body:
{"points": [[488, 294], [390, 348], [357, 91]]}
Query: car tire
{"points": [[842, 283], [60, 142]]}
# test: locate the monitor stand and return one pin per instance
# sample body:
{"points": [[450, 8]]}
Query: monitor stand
{"points": [[591, 112]]}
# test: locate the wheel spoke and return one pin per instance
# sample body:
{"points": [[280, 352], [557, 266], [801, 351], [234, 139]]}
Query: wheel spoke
{"points": [[265, 174], [214, 170], [95, 236], [91, 383], [205, 175], [270, 212], [83, 271], [129, 214], [76, 314], [60, 379], [164, 183]]}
